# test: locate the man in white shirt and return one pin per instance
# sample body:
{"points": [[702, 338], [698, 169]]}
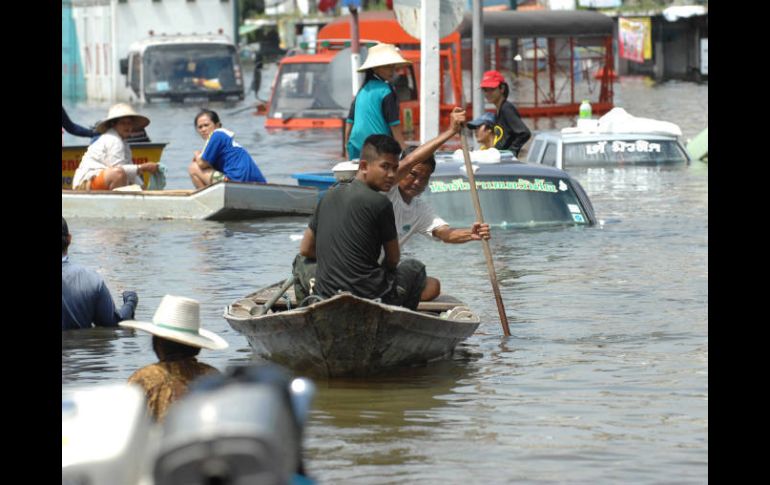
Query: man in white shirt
{"points": [[415, 216]]}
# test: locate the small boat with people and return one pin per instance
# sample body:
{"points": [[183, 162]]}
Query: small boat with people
{"points": [[222, 201], [345, 335], [141, 152], [615, 139]]}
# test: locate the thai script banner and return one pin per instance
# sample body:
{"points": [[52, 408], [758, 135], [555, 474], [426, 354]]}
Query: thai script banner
{"points": [[618, 146], [456, 185], [635, 39]]}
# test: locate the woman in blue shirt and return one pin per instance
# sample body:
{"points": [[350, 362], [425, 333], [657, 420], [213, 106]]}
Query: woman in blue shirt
{"points": [[222, 158], [375, 110]]}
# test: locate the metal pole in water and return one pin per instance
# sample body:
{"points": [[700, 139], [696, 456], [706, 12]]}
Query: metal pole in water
{"points": [[477, 59], [355, 49], [429, 70]]}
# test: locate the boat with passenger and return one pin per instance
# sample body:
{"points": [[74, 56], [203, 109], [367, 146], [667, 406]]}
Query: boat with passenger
{"points": [[221, 201], [141, 152], [348, 336]]}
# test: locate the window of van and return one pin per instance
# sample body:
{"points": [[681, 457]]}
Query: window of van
{"points": [[534, 153], [446, 83], [136, 74], [403, 83], [549, 157], [303, 87], [191, 68]]}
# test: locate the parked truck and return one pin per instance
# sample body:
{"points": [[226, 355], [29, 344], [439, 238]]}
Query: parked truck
{"points": [[97, 34]]}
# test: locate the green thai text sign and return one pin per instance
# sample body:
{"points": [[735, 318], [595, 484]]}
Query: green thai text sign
{"points": [[458, 184]]}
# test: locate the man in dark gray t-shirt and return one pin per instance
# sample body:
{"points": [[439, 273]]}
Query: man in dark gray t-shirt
{"points": [[352, 223]]}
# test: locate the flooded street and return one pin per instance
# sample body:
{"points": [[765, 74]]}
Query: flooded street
{"points": [[605, 377]]}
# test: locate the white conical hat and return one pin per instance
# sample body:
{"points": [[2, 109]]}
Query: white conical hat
{"points": [[119, 111], [383, 55], [178, 318]]}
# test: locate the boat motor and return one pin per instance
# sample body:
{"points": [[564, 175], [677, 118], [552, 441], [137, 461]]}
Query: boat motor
{"points": [[105, 435], [241, 427]]}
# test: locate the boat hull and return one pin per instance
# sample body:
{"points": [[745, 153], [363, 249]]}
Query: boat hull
{"points": [[222, 201], [348, 336]]}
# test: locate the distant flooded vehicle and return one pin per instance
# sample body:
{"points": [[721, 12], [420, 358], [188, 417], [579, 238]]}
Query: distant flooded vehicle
{"points": [[615, 139], [314, 91], [184, 68], [302, 94], [511, 193]]}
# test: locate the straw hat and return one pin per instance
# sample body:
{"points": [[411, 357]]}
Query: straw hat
{"points": [[121, 110], [178, 318], [383, 55]]}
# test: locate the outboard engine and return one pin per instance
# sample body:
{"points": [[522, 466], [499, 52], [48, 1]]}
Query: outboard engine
{"points": [[105, 435], [242, 427]]}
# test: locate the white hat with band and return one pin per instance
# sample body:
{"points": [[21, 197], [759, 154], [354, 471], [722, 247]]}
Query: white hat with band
{"points": [[178, 318]]}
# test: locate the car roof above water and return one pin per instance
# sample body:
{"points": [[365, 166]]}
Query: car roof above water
{"points": [[506, 168], [555, 136]]}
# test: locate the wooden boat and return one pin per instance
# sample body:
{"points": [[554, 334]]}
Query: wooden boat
{"points": [[348, 336], [219, 202], [141, 152]]}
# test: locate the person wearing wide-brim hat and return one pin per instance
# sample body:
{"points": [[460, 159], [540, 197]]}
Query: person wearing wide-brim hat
{"points": [[375, 110], [508, 120], [107, 163], [177, 338]]}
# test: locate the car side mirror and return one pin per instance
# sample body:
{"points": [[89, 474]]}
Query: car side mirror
{"points": [[124, 66]]}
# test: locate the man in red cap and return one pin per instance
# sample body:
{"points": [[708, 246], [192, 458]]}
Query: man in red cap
{"points": [[508, 119]]}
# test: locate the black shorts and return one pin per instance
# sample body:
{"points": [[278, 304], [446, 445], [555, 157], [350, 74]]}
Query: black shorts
{"points": [[408, 281]]}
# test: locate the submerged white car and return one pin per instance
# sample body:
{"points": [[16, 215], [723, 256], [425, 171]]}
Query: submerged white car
{"points": [[616, 138]]}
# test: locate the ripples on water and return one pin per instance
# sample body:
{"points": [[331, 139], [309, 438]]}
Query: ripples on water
{"points": [[605, 376]]}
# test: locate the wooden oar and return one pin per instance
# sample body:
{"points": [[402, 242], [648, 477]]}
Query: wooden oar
{"points": [[269, 303], [484, 242]]}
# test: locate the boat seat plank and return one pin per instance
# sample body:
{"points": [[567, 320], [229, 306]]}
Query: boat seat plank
{"points": [[440, 304]]}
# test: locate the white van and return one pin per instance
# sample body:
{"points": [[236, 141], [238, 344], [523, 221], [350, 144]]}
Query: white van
{"points": [[184, 68]]}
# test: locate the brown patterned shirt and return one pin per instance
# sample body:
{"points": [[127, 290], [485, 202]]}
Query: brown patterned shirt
{"points": [[165, 382]]}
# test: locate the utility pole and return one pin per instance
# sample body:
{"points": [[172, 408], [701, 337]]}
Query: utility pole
{"points": [[477, 64]]}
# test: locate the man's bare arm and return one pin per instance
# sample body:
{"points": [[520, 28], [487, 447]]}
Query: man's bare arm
{"points": [[392, 254], [307, 246], [424, 151]]}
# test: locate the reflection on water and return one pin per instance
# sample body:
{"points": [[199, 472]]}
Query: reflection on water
{"points": [[87, 356], [605, 378]]}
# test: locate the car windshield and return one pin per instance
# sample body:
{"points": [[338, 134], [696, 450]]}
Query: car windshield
{"points": [[302, 88], [623, 151], [507, 201], [191, 68]]}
